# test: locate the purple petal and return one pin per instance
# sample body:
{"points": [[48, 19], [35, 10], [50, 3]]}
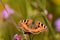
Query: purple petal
{"points": [[5, 14], [10, 11], [57, 24], [50, 16], [17, 37]]}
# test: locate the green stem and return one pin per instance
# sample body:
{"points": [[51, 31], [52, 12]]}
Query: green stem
{"points": [[50, 26]]}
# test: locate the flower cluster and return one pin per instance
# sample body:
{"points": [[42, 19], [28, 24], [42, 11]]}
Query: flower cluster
{"points": [[50, 17], [7, 11], [17, 37], [57, 24]]}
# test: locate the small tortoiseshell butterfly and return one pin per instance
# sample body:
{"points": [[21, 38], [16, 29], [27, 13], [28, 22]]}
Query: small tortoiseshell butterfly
{"points": [[31, 26]]}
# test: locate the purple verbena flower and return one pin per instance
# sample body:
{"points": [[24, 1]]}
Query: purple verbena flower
{"points": [[17, 37], [50, 16], [7, 11], [10, 11], [57, 24], [5, 14]]}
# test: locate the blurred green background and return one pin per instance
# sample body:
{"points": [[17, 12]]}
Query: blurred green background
{"points": [[30, 9]]}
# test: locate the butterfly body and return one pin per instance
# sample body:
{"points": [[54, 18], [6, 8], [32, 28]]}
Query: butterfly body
{"points": [[36, 28]]}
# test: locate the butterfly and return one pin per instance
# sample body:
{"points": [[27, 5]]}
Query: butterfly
{"points": [[31, 26]]}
